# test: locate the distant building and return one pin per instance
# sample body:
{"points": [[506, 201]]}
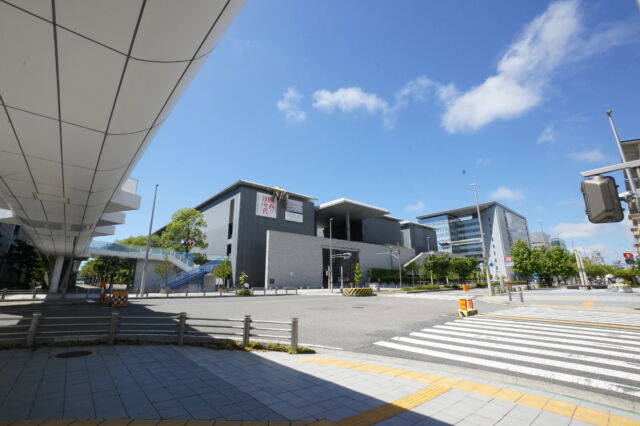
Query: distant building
{"points": [[596, 258], [539, 239], [421, 238], [458, 232], [558, 242]]}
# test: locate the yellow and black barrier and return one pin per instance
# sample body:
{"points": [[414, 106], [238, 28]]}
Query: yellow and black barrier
{"points": [[358, 292]]}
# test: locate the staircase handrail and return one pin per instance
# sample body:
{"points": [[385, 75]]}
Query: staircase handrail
{"points": [[186, 258]]}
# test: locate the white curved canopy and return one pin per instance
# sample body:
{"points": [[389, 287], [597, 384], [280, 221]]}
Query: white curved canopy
{"points": [[84, 85]]}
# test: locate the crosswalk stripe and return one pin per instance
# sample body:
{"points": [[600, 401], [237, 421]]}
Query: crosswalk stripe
{"points": [[526, 358], [558, 314], [553, 375], [545, 338], [543, 343], [568, 355], [505, 327], [572, 329]]}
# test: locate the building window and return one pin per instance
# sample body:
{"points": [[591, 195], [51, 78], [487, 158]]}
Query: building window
{"points": [[228, 249], [230, 231]]}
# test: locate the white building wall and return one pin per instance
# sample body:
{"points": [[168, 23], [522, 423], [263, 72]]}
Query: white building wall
{"points": [[295, 260]]}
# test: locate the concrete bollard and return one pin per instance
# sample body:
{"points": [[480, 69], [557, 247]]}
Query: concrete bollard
{"points": [[33, 329], [112, 328], [510, 298], [246, 331], [521, 297], [294, 335], [182, 321]]}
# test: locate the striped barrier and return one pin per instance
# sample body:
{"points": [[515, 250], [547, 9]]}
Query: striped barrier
{"points": [[358, 292]]}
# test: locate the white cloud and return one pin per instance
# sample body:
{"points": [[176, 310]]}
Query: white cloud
{"points": [[548, 135], [483, 161], [504, 193], [522, 72], [354, 98], [578, 230], [290, 106], [588, 156], [603, 249], [419, 206], [348, 99]]}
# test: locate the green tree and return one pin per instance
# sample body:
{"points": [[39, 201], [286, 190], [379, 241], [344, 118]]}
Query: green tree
{"points": [[223, 270], [200, 258], [141, 240], [187, 225], [463, 267], [524, 260], [243, 278], [413, 270], [440, 264], [163, 268], [357, 275]]}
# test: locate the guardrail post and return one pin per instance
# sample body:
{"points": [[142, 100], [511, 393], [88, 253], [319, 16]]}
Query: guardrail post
{"points": [[246, 331], [294, 336], [167, 290], [296, 291], [4, 293], [286, 290], [33, 329], [204, 292], [276, 289], [521, 297], [182, 322], [33, 293], [112, 328], [186, 293]]}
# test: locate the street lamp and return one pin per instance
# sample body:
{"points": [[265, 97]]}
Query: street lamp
{"points": [[485, 261], [429, 257], [330, 282]]}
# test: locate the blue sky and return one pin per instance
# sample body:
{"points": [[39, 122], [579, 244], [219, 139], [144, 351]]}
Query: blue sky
{"points": [[403, 104]]}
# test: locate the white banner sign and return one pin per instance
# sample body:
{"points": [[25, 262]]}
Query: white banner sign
{"points": [[266, 206], [293, 212]]}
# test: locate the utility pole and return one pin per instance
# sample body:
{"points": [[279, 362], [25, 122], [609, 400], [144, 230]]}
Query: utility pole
{"points": [[429, 257], [330, 283], [485, 260], [146, 255]]}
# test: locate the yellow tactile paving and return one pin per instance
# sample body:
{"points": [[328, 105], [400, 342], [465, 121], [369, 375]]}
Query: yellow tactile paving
{"points": [[394, 408], [508, 395], [622, 421], [590, 415], [593, 324], [534, 401], [583, 308], [555, 406]]}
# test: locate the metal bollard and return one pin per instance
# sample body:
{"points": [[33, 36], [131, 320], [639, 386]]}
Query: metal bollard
{"points": [[286, 291], [265, 291], [33, 295], [204, 292], [4, 293], [252, 291], [112, 328], [33, 329], [182, 321], [294, 336], [186, 293], [510, 299], [220, 291], [521, 297], [246, 331]]}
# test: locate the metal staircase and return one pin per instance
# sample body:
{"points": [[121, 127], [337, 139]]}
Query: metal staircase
{"points": [[187, 277]]}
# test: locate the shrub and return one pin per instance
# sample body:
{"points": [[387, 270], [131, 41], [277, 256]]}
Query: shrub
{"points": [[244, 292]]}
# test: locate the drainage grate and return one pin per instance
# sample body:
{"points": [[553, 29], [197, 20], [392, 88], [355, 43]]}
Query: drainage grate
{"points": [[73, 354]]}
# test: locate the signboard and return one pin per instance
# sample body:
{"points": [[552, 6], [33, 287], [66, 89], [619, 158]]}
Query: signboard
{"points": [[266, 206], [293, 211], [508, 259]]}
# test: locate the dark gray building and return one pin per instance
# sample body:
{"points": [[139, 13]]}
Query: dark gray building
{"points": [[421, 238], [239, 216]]}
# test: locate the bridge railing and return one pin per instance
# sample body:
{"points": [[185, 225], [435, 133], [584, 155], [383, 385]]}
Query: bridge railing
{"points": [[186, 258]]}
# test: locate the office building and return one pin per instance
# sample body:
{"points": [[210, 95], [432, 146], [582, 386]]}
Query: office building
{"points": [[458, 232], [539, 239], [558, 242]]}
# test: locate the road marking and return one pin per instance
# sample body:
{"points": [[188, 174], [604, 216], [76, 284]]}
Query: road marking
{"points": [[392, 409], [583, 307], [552, 375], [526, 358], [584, 335], [568, 355], [543, 338], [543, 343], [579, 412], [321, 346], [588, 323], [610, 333], [589, 303]]}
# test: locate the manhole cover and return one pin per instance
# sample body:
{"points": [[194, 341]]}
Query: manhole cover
{"points": [[73, 354]]}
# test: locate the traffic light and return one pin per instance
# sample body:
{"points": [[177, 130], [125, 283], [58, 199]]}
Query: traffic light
{"points": [[601, 199], [445, 244], [627, 255]]}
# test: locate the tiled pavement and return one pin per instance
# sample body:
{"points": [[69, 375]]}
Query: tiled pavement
{"points": [[186, 383]]}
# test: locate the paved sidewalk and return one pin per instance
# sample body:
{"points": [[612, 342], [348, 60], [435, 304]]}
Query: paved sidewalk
{"points": [[186, 383]]}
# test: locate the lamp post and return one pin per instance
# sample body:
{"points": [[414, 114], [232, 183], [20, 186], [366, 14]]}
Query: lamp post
{"points": [[330, 283], [146, 255], [429, 257], [485, 261]]}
